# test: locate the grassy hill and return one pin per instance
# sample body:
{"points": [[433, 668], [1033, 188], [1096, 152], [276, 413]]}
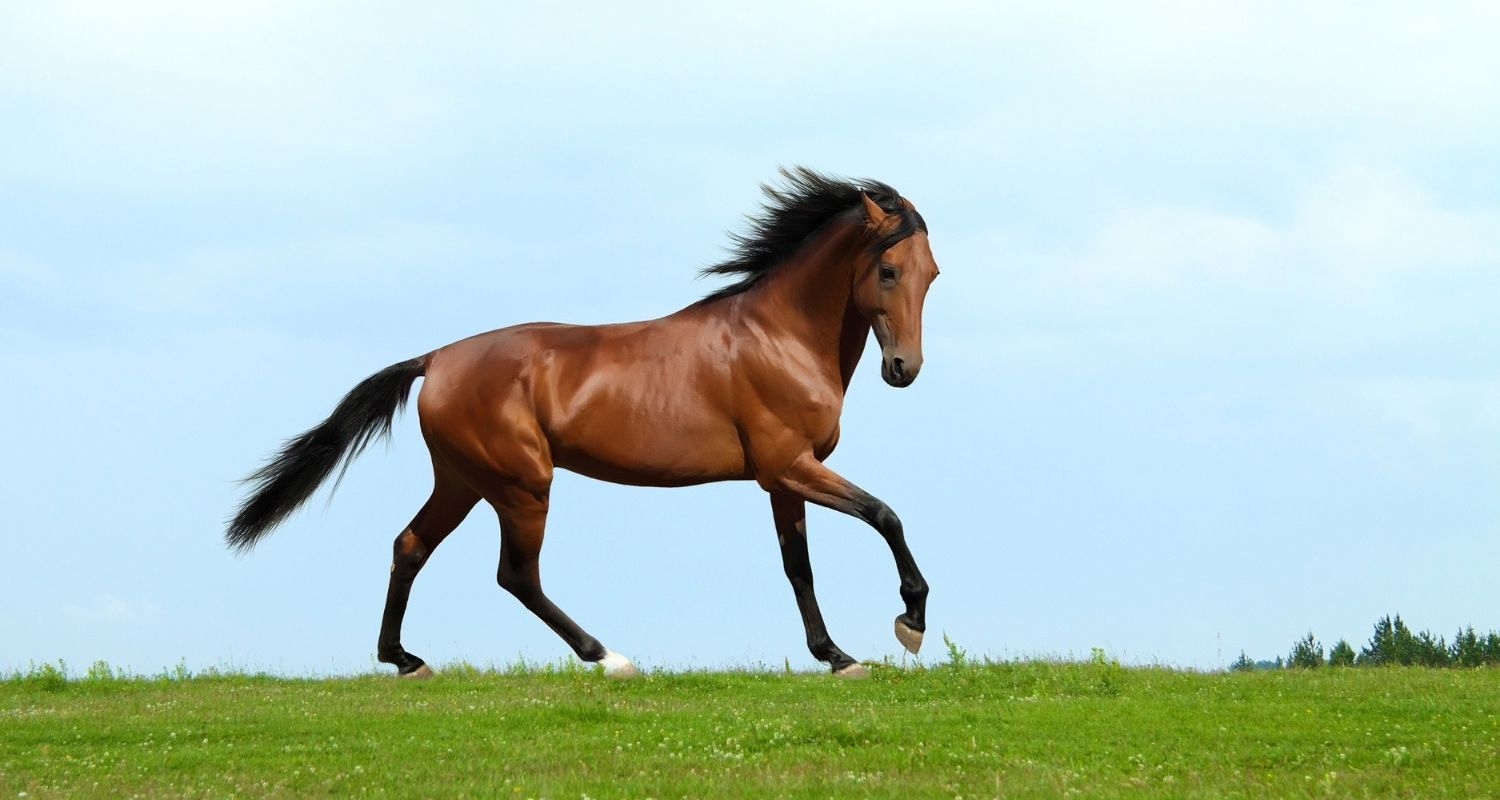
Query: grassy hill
{"points": [[1022, 729]]}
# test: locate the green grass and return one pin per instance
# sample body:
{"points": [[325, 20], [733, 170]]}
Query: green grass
{"points": [[1021, 729]]}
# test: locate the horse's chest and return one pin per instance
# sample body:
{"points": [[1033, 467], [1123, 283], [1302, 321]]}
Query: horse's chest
{"points": [[823, 446], [818, 420], [793, 414]]}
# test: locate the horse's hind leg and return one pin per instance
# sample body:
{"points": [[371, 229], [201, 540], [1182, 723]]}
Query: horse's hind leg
{"points": [[523, 521], [450, 502]]}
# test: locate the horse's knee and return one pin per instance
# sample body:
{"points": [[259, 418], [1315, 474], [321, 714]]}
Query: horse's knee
{"points": [[883, 518], [408, 554]]}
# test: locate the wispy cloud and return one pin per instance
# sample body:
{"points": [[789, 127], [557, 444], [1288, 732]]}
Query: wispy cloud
{"points": [[221, 280], [112, 608], [1365, 258]]}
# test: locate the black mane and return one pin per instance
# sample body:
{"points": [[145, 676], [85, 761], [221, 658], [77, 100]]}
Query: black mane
{"points": [[792, 212]]}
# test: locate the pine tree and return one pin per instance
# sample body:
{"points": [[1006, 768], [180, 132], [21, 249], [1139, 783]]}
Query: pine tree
{"points": [[1342, 654], [1382, 646], [1466, 650], [1407, 651], [1307, 653], [1430, 651], [1491, 648], [1242, 664]]}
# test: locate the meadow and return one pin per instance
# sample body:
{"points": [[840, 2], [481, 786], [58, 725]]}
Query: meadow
{"points": [[964, 729]]}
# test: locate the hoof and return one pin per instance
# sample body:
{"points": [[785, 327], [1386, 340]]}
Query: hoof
{"points": [[909, 638], [617, 666], [855, 670], [420, 673]]}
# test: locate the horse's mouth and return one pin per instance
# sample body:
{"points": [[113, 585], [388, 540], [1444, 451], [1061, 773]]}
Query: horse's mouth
{"points": [[893, 374]]}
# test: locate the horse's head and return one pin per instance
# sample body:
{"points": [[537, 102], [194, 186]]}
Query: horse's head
{"points": [[891, 285]]}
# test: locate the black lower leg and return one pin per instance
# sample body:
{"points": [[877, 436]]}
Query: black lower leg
{"points": [[799, 572], [791, 533], [407, 559], [523, 581], [913, 586]]}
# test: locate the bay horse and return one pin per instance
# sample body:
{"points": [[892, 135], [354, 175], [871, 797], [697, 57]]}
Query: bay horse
{"points": [[746, 384]]}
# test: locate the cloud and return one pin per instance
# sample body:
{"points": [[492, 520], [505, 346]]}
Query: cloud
{"points": [[1365, 260], [18, 268], [222, 281], [165, 95], [161, 95], [1431, 410], [111, 608]]}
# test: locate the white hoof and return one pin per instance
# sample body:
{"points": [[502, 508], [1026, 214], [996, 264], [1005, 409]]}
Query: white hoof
{"points": [[855, 670], [910, 639], [420, 673], [617, 666]]}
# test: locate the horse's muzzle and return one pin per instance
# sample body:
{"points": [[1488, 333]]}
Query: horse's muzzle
{"points": [[900, 372]]}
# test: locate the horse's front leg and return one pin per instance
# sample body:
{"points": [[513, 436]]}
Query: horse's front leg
{"points": [[790, 513], [808, 479]]}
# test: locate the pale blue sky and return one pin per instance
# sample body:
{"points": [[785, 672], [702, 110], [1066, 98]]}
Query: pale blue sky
{"points": [[1213, 360]]}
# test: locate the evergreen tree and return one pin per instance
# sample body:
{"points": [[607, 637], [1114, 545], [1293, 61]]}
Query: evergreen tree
{"points": [[1391, 643], [1466, 650], [1491, 648], [1307, 653], [1342, 654], [1406, 650], [1382, 646], [1242, 664], [1429, 650]]}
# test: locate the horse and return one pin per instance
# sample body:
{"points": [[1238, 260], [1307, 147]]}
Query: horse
{"points": [[747, 383]]}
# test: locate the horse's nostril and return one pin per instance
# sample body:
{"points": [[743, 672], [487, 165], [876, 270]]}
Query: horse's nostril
{"points": [[898, 366]]}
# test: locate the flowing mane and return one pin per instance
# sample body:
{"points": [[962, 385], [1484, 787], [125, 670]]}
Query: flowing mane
{"points": [[793, 212]]}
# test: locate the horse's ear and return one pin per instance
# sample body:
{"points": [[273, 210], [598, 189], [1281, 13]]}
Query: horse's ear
{"points": [[876, 214]]}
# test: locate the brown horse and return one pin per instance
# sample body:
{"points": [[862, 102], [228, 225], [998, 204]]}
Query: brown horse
{"points": [[746, 384]]}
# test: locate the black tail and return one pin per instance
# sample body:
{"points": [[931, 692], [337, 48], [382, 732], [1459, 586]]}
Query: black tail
{"points": [[305, 462]]}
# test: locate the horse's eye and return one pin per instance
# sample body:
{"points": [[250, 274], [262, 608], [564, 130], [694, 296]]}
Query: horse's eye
{"points": [[887, 272]]}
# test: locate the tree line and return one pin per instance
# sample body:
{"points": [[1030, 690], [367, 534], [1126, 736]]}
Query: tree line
{"points": [[1392, 643]]}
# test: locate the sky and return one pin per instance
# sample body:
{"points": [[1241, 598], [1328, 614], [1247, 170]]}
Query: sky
{"points": [[1214, 362]]}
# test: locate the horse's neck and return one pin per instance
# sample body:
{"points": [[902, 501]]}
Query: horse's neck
{"points": [[852, 337], [810, 298]]}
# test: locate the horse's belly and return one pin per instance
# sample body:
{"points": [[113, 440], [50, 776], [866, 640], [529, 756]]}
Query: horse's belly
{"points": [[640, 404], [651, 452], [664, 435]]}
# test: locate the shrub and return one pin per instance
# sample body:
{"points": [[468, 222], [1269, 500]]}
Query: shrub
{"points": [[45, 676], [99, 671]]}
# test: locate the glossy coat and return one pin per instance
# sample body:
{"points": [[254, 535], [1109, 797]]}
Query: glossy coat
{"points": [[748, 386]]}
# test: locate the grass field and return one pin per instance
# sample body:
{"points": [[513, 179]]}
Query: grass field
{"points": [[1022, 729]]}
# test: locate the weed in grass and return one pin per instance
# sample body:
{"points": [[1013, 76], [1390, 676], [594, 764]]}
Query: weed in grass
{"points": [[957, 656]]}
